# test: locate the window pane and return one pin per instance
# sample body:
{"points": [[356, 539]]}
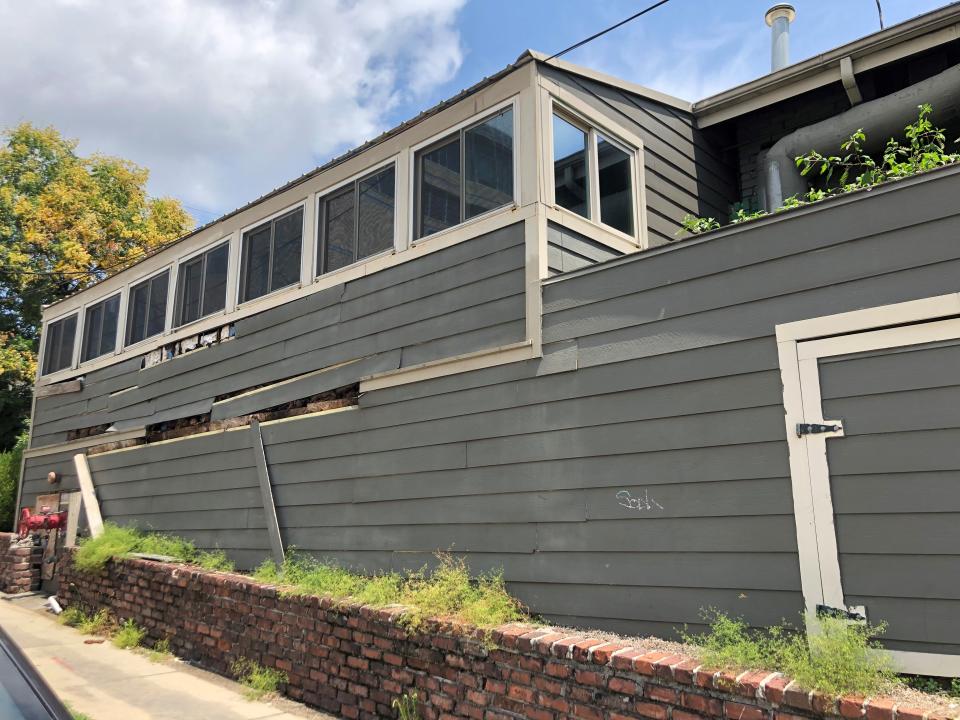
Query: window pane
{"points": [[287, 233], [108, 332], [338, 230], [488, 157], [254, 273], [92, 324], [570, 166], [188, 290], [157, 312], [68, 335], [137, 312], [439, 188], [616, 186], [375, 221], [215, 285]]}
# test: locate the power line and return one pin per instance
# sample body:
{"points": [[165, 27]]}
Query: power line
{"points": [[612, 27], [880, 13]]}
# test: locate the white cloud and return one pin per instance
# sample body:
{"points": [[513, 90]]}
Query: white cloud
{"points": [[687, 66], [222, 99]]}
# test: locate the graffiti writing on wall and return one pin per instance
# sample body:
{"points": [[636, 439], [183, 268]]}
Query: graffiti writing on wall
{"points": [[641, 503]]}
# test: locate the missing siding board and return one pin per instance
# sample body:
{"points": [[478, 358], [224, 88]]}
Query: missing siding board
{"points": [[342, 397], [200, 341]]}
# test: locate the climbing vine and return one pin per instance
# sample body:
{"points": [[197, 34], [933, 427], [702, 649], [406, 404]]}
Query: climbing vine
{"points": [[923, 148]]}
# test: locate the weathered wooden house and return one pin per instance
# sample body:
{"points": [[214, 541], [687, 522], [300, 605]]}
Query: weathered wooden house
{"points": [[480, 333]]}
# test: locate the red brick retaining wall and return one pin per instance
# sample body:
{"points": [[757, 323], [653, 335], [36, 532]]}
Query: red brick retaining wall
{"points": [[19, 565], [353, 661]]}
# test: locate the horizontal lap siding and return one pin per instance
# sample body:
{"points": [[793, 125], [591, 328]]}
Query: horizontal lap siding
{"points": [[465, 298], [568, 250], [683, 174], [895, 480]]}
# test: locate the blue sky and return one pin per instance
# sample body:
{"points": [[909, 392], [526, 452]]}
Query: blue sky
{"points": [[224, 100]]}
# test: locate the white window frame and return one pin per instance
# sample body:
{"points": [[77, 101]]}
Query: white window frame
{"points": [[121, 323], [238, 280], [479, 118], [75, 352], [575, 114], [319, 196], [800, 345], [171, 291], [171, 325]]}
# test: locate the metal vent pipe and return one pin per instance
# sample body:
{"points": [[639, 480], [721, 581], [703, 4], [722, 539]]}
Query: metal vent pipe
{"points": [[778, 19]]}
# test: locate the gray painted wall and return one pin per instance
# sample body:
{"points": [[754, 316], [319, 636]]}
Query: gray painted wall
{"points": [[895, 479], [684, 172], [568, 250], [633, 476]]}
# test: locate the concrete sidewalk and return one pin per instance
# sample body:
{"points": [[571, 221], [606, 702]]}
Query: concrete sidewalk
{"points": [[107, 683]]}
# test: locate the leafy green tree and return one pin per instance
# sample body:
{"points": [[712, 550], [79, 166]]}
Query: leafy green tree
{"points": [[9, 477], [66, 221]]}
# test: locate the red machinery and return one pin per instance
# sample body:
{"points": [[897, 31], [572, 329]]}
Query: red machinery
{"points": [[46, 519]]}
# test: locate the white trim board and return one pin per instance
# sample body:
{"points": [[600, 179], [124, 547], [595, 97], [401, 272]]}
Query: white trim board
{"points": [[800, 346]]}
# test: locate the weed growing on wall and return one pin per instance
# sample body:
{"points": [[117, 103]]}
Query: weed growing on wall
{"points": [[128, 635], [840, 658], [259, 681], [119, 541], [406, 706], [924, 148], [447, 591]]}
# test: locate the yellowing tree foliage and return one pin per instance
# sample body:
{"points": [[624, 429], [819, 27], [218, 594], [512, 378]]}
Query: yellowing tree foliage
{"points": [[66, 222]]}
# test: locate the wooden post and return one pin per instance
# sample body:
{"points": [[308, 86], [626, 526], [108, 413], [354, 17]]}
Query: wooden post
{"points": [[90, 504], [266, 492]]}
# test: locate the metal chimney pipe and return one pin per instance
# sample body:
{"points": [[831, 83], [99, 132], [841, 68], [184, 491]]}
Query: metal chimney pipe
{"points": [[778, 19]]}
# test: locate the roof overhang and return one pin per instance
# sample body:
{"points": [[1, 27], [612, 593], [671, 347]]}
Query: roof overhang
{"points": [[898, 41]]}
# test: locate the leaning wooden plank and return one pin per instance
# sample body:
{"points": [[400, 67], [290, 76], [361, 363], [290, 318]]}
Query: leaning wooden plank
{"points": [[90, 504], [266, 491], [61, 388]]}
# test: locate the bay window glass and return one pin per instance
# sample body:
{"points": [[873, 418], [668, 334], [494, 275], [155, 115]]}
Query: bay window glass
{"points": [[465, 174], [356, 221], [593, 175], [100, 328], [58, 344], [201, 285], [270, 256], [147, 308]]}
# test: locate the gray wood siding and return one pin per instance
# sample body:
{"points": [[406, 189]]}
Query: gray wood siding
{"points": [[568, 250], [895, 481], [684, 174], [635, 474], [464, 298]]}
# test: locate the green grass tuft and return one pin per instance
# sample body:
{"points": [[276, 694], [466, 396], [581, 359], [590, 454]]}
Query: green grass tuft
{"points": [[99, 623], [257, 680], [448, 591], [160, 652], [128, 635], [71, 616], [842, 658], [118, 541], [406, 706]]}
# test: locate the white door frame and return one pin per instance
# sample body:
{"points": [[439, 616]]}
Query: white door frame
{"points": [[800, 345]]}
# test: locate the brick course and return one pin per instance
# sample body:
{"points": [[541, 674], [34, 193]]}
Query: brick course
{"points": [[19, 565], [353, 661]]}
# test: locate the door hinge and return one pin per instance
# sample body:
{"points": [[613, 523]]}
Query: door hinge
{"points": [[857, 613], [819, 428]]}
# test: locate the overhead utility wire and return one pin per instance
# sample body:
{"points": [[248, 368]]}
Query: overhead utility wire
{"points": [[880, 13], [612, 27]]}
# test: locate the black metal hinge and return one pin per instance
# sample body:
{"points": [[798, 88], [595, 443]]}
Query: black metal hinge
{"points": [[816, 429]]}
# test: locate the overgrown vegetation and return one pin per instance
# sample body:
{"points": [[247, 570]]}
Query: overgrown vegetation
{"points": [[923, 148], [118, 541], [160, 652], [447, 591], [128, 635], [947, 687], [406, 706], [9, 477], [257, 680], [840, 658]]}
